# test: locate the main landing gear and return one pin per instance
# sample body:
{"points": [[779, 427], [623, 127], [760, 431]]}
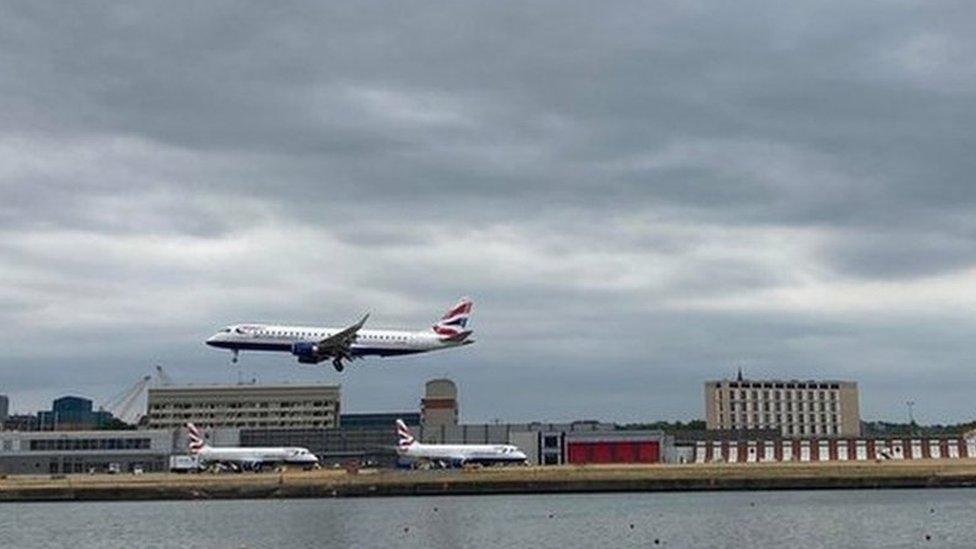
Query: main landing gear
{"points": [[338, 365]]}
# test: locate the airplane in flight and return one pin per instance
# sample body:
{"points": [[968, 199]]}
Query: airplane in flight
{"points": [[313, 345], [455, 455], [245, 459]]}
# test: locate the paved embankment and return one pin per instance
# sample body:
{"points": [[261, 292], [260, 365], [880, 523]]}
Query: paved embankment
{"points": [[515, 480]]}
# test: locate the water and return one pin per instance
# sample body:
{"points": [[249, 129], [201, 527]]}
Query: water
{"points": [[890, 518]]}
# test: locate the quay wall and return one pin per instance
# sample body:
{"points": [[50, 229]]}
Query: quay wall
{"points": [[513, 480]]}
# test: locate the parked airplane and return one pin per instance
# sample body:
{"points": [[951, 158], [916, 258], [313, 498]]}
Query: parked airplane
{"points": [[314, 345], [252, 459], [456, 455]]}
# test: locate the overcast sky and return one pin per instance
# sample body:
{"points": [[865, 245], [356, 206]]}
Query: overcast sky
{"points": [[638, 197]]}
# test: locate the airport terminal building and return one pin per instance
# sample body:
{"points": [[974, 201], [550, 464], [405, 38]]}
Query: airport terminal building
{"points": [[62, 452]]}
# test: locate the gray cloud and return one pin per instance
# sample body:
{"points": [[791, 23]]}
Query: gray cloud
{"points": [[638, 196]]}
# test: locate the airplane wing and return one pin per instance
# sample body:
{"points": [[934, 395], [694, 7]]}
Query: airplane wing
{"points": [[337, 344]]}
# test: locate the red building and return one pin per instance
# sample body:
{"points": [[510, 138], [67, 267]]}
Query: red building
{"points": [[614, 447]]}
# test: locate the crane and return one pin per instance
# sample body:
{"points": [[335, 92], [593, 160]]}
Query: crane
{"points": [[162, 377], [123, 405], [120, 405]]}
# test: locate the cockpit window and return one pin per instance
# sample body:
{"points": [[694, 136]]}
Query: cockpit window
{"points": [[226, 330]]}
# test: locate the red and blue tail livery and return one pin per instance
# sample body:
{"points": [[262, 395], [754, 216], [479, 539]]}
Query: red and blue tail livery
{"points": [[455, 321], [404, 436]]}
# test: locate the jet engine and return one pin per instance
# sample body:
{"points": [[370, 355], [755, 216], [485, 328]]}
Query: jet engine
{"points": [[307, 352]]}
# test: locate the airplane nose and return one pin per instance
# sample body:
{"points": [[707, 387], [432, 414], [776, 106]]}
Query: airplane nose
{"points": [[212, 340]]}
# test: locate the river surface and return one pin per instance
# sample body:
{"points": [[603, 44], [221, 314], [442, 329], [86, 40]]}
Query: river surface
{"points": [[882, 518]]}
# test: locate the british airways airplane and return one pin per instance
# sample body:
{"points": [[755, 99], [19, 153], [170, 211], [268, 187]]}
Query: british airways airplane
{"points": [[248, 458], [313, 345], [457, 455]]}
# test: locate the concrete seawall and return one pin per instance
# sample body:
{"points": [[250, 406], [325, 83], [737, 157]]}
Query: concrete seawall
{"points": [[527, 480]]}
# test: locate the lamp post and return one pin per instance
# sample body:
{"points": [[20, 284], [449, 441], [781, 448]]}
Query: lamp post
{"points": [[911, 417]]}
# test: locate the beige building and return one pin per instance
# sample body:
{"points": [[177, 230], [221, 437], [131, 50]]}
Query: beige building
{"points": [[439, 406], [795, 408], [245, 406]]}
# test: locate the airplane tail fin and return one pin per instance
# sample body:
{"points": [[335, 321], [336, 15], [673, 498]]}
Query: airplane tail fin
{"points": [[195, 439], [453, 325], [404, 436]]}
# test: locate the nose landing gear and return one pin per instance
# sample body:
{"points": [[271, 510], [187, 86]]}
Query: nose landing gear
{"points": [[234, 353]]}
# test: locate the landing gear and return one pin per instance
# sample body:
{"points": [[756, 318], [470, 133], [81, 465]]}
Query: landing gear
{"points": [[233, 358], [338, 365]]}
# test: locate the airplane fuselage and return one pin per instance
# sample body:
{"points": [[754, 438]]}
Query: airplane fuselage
{"points": [[257, 455]]}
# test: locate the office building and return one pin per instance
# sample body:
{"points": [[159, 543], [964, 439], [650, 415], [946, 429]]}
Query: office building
{"points": [[313, 406], [792, 407], [439, 406], [21, 422], [72, 413]]}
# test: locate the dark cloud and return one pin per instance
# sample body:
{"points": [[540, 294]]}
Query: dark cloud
{"points": [[638, 196]]}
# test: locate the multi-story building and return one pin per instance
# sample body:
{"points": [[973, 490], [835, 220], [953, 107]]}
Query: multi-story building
{"points": [[72, 413], [245, 406], [4, 408], [21, 422], [792, 407]]}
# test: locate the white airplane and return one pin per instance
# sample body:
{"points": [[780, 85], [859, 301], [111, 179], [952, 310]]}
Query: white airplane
{"points": [[454, 454], [314, 345], [252, 458]]}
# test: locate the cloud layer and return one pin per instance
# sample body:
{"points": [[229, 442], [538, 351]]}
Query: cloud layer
{"points": [[639, 197]]}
